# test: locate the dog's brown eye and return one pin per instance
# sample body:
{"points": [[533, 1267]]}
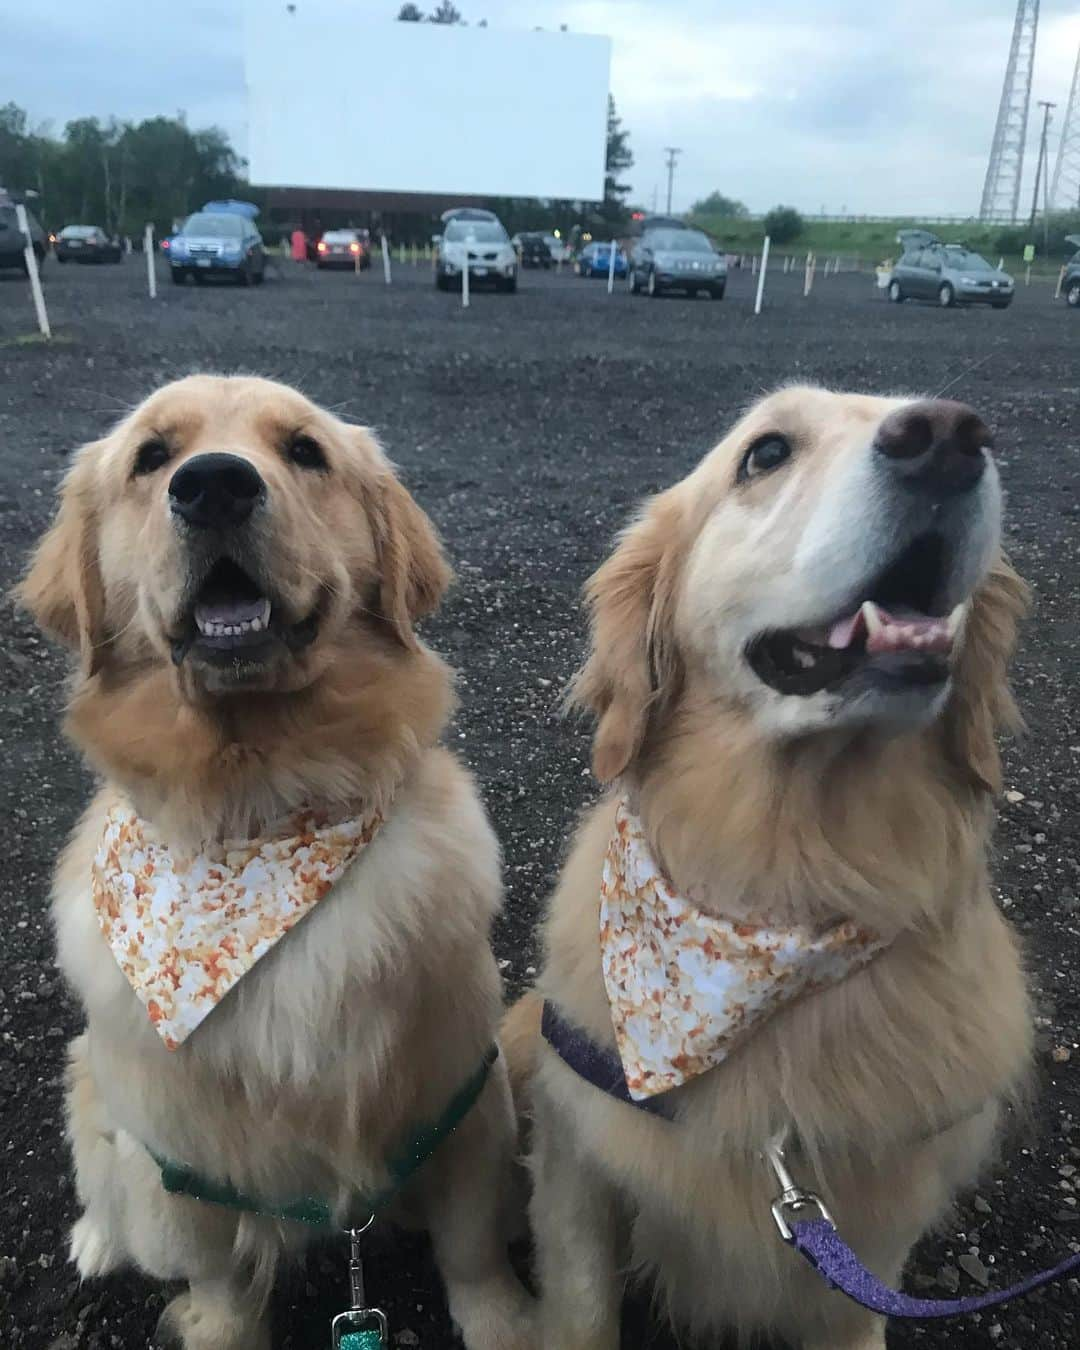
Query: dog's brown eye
{"points": [[764, 455], [306, 452], [151, 456]]}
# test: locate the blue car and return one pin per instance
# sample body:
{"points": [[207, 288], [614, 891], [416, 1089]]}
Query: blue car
{"points": [[219, 240], [594, 260]]}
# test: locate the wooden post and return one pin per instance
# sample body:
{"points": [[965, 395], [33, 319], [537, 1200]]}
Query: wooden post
{"points": [[30, 259]]}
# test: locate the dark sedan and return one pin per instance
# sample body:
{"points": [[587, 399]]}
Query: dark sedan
{"points": [[87, 244], [677, 260]]}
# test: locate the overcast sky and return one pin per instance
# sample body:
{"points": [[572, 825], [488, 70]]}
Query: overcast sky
{"points": [[841, 104]]}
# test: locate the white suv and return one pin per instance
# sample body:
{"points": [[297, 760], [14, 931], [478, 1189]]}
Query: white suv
{"points": [[475, 239]]}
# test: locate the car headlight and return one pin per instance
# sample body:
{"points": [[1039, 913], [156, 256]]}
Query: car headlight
{"points": [[231, 248], [969, 281]]}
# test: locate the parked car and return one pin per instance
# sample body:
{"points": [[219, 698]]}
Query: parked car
{"points": [[87, 244], [594, 260], [1070, 282], [533, 250], [342, 248], [950, 274], [676, 259], [12, 244], [217, 244], [475, 239]]}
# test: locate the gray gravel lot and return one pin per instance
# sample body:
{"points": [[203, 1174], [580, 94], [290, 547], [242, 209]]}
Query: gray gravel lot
{"points": [[528, 427]]}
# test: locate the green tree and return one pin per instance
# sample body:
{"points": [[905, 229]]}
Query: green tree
{"points": [[716, 204], [118, 175], [618, 160], [446, 13], [783, 224], [410, 14]]}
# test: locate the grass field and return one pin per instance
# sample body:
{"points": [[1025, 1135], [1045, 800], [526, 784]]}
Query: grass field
{"points": [[873, 241]]}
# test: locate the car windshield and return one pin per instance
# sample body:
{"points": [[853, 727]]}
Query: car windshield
{"points": [[967, 262], [679, 241], [476, 232], [339, 237], [230, 227], [78, 231]]}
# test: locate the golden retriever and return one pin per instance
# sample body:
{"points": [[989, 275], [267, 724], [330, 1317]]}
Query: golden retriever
{"points": [[240, 574], [792, 754]]}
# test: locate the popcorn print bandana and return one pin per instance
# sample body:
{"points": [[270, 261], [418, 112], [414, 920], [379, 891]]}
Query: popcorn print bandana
{"points": [[685, 988], [186, 926]]}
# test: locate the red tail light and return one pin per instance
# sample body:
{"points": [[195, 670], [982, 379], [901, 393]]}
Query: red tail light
{"points": [[165, 244], [321, 246], [354, 248]]}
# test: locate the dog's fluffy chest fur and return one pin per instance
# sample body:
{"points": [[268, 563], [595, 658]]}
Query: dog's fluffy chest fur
{"points": [[934, 1033], [296, 1079]]}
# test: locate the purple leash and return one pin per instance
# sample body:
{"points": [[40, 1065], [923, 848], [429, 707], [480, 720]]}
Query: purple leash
{"points": [[818, 1241], [832, 1258]]}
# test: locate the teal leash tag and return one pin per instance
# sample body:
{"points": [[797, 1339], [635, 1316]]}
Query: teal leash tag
{"points": [[360, 1328]]}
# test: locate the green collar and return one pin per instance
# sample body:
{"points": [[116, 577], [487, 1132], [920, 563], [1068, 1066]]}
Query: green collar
{"points": [[178, 1179]]}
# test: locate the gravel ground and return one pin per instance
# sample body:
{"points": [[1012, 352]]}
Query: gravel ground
{"points": [[528, 426]]}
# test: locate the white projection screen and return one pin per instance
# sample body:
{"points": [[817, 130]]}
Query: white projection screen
{"points": [[340, 100]]}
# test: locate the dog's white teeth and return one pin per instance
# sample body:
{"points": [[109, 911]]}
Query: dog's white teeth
{"points": [[871, 618], [262, 617], [955, 621]]}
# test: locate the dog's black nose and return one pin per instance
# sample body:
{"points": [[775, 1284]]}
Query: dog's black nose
{"points": [[936, 445], [215, 491]]}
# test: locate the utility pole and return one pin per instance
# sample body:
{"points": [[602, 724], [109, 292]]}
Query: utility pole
{"points": [[1047, 107], [673, 152]]}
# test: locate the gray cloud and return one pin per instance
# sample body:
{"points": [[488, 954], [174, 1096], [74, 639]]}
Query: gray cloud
{"points": [[841, 103]]}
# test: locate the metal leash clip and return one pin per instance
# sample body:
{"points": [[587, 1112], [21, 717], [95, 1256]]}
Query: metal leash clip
{"points": [[360, 1328], [793, 1198]]}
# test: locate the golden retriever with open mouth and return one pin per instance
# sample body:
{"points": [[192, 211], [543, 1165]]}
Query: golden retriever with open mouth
{"points": [[779, 922], [240, 573]]}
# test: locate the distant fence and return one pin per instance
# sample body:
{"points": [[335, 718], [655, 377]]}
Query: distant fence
{"points": [[901, 220]]}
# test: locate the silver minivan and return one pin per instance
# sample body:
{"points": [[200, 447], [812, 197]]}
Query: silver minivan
{"points": [[948, 274]]}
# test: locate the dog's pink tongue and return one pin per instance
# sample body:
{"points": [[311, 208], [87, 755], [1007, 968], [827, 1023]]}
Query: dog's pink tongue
{"points": [[843, 633], [885, 632]]}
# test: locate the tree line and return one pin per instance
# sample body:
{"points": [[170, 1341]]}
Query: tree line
{"points": [[118, 175]]}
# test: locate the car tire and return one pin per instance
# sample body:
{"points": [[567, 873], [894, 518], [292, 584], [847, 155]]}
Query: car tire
{"points": [[507, 285], [896, 293], [652, 287], [946, 296], [179, 276], [60, 260], [243, 277], [716, 293], [1072, 294], [442, 281], [259, 277]]}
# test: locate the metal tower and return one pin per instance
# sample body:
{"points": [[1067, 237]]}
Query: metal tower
{"points": [[1065, 189], [1001, 191]]}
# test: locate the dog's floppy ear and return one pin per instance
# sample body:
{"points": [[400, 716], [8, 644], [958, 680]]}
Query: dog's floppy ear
{"points": [[63, 589], [633, 665], [414, 573], [981, 703]]}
